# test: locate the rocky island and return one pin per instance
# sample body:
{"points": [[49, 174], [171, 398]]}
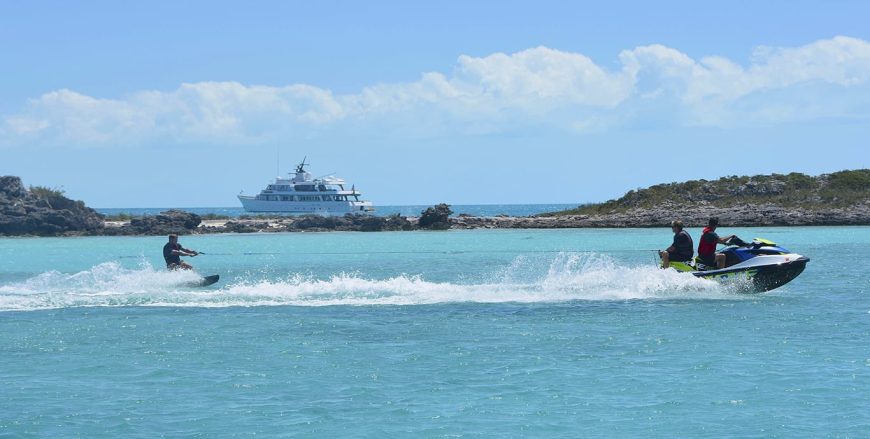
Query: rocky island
{"points": [[839, 198], [43, 212]]}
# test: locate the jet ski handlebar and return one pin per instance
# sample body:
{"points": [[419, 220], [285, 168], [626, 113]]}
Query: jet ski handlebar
{"points": [[734, 240]]}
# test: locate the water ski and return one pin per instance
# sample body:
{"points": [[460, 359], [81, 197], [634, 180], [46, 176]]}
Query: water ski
{"points": [[206, 281]]}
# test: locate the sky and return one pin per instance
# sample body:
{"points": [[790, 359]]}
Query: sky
{"points": [[187, 104]]}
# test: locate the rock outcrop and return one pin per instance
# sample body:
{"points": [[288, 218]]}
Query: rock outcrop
{"points": [[312, 223], [436, 217], [43, 212], [171, 221]]}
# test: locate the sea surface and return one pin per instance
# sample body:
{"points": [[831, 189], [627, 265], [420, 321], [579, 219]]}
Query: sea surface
{"points": [[472, 334], [411, 210]]}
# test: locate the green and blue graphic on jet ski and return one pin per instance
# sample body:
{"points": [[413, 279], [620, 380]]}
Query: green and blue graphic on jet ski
{"points": [[761, 264]]}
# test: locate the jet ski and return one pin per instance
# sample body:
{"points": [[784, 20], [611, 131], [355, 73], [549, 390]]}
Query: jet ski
{"points": [[761, 265]]}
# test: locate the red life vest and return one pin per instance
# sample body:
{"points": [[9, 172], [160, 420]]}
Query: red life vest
{"points": [[706, 247]]}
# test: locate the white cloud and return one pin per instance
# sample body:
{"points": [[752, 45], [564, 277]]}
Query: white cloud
{"points": [[532, 88], [839, 61], [543, 75]]}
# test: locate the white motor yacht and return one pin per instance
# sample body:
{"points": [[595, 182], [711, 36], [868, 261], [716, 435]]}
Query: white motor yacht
{"points": [[302, 193]]}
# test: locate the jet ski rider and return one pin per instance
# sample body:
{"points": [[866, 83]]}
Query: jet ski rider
{"points": [[681, 250], [172, 253], [707, 246]]}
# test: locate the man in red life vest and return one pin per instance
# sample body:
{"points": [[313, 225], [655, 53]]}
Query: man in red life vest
{"points": [[707, 245]]}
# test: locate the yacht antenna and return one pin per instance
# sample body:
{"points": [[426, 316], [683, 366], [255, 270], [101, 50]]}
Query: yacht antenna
{"points": [[301, 167]]}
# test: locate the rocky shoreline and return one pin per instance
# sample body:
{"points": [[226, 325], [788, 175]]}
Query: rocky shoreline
{"points": [[743, 216], [44, 212], [695, 216]]}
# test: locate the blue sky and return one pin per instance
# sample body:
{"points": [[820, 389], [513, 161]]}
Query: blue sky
{"points": [[162, 104]]}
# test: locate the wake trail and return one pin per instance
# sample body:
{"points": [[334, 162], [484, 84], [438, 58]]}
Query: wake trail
{"points": [[569, 277]]}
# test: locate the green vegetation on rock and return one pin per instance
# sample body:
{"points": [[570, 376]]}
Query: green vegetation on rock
{"points": [[215, 217], [837, 190], [123, 216]]}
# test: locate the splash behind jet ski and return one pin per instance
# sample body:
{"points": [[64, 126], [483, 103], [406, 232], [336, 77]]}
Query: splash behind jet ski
{"points": [[761, 264]]}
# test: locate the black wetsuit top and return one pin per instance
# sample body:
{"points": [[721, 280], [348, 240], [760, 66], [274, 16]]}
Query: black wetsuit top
{"points": [[168, 256], [684, 247]]}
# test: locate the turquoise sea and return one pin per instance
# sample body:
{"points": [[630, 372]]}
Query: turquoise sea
{"points": [[480, 333]]}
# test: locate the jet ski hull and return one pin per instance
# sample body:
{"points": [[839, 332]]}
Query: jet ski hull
{"points": [[758, 266], [759, 276]]}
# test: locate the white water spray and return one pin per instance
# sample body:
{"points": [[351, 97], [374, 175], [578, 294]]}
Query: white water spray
{"points": [[570, 277]]}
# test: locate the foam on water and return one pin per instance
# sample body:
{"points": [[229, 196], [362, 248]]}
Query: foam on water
{"points": [[570, 277]]}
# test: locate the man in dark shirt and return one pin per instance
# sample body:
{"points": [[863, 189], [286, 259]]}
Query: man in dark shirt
{"points": [[681, 250], [707, 245], [172, 253]]}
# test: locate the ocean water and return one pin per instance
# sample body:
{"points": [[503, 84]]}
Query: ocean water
{"points": [[412, 210], [480, 333]]}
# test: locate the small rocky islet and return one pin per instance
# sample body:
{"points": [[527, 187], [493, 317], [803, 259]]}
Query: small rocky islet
{"points": [[43, 212], [840, 198]]}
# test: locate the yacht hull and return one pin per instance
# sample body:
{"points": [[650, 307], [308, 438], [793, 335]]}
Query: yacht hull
{"points": [[252, 204]]}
